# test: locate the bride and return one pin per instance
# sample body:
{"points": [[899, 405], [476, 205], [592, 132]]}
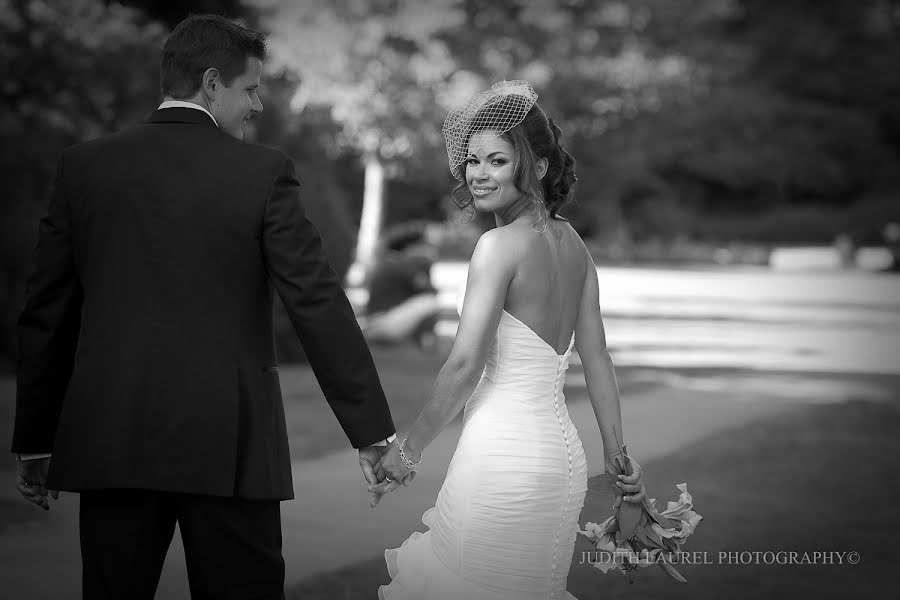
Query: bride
{"points": [[505, 520]]}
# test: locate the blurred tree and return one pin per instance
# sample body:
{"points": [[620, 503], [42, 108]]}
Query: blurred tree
{"points": [[171, 13], [700, 116], [800, 110], [376, 66], [74, 70]]}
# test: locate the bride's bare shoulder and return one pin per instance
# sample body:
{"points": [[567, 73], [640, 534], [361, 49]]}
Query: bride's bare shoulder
{"points": [[509, 239], [498, 250]]}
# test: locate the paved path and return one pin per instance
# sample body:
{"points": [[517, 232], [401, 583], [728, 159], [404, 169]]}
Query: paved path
{"points": [[330, 523]]}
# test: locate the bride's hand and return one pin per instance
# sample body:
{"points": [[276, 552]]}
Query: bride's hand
{"points": [[391, 473], [632, 486]]}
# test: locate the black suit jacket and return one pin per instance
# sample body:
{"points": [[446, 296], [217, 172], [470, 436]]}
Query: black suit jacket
{"points": [[146, 352]]}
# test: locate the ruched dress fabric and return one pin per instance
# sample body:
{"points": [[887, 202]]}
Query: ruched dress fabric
{"points": [[505, 521]]}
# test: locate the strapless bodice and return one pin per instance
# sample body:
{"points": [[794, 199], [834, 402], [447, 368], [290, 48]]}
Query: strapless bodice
{"points": [[520, 359]]}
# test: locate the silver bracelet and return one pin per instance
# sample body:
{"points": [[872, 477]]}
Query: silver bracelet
{"points": [[408, 463]]}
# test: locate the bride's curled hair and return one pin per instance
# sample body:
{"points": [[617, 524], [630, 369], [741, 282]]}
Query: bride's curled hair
{"points": [[560, 177], [536, 137]]}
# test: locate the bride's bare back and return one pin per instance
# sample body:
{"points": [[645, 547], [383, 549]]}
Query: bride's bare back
{"points": [[546, 290]]}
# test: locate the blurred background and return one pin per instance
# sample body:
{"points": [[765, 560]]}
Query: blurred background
{"points": [[739, 189], [706, 132]]}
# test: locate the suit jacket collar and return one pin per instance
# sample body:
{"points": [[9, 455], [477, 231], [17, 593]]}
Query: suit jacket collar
{"points": [[181, 115]]}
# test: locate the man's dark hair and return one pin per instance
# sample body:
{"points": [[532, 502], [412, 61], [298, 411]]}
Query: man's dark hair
{"points": [[201, 42]]}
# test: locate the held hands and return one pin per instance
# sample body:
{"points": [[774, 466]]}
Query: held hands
{"points": [[369, 456], [380, 482], [31, 481], [391, 472]]}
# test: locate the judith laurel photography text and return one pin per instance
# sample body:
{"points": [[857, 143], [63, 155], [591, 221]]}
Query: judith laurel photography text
{"points": [[732, 557]]}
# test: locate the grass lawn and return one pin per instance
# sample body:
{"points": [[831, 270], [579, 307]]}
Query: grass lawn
{"points": [[821, 478]]}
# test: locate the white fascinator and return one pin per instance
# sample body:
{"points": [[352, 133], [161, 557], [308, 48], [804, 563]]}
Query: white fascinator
{"points": [[497, 109]]}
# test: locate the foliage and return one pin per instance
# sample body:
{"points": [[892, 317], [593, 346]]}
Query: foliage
{"points": [[681, 113], [74, 70], [794, 114], [171, 13], [375, 65]]}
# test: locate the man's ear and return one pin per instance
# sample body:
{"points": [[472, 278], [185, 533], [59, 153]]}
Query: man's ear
{"points": [[541, 167], [211, 83]]}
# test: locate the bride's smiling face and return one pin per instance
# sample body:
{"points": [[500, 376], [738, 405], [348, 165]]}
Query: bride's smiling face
{"points": [[491, 172]]}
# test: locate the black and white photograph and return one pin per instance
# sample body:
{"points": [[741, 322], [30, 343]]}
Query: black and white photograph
{"points": [[449, 299]]}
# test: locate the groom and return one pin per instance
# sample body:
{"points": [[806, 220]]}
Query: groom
{"points": [[146, 355]]}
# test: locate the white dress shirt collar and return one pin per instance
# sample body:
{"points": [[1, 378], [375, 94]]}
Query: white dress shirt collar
{"points": [[183, 104]]}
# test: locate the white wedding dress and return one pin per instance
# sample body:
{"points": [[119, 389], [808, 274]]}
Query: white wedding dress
{"points": [[505, 520]]}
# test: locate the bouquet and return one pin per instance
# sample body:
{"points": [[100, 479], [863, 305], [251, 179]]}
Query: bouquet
{"points": [[637, 535]]}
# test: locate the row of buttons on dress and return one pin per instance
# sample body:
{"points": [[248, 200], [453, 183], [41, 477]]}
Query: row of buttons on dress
{"points": [[569, 452]]}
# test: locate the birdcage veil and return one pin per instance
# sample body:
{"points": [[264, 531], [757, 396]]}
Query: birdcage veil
{"points": [[497, 109]]}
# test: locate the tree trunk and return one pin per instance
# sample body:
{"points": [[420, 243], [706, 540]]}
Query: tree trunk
{"points": [[370, 221]]}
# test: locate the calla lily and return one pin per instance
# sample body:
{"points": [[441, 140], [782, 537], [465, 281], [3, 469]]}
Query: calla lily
{"points": [[651, 535]]}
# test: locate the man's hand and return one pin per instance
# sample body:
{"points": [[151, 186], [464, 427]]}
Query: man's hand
{"points": [[392, 473], [371, 460], [31, 481], [369, 456]]}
